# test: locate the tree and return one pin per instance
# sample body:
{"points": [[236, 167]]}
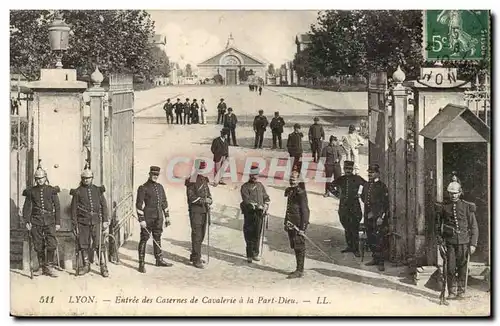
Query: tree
{"points": [[270, 70], [161, 63], [189, 71], [118, 41]]}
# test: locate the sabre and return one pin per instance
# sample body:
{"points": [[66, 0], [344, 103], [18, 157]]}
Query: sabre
{"points": [[150, 234], [467, 271], [30, 258], [293, 226], [264, 228], [444, 276], [77, 249], [209, 217]]}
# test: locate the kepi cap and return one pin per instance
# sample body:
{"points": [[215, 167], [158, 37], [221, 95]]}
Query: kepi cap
{"points": [[296, 126], [348, 164], [374, 168], [316, 119], [254, 169], [154, 170]]}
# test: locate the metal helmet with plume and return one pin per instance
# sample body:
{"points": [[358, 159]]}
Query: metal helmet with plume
{"points": [[40, 173], [87, 172]]}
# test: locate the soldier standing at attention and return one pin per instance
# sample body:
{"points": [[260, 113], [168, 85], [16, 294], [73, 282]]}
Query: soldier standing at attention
{"points": [[89, 212], [457, 226], [168, 107], [187, 112], [277, 124], [230, 122], [42, 214], [316, 137], [294, 147], [179, 108], [199, 201], [152, 210], [254, 205], [220, 149], [297, 212], [348, 187], [203, 109], [259, 127], [333, 156], [375, 196], [221, 110]]}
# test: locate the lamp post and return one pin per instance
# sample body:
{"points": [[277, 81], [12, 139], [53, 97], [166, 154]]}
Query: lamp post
{"points": [[59, 37]]}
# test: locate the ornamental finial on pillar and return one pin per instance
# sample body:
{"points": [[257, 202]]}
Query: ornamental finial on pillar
{"points": [[96, 78], [398, 76]]}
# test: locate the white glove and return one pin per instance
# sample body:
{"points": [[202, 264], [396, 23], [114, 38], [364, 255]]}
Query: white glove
{"points": [[105, 225], [58, 227], [28, 226], [472, 250], [142, 224], [209, 201]]}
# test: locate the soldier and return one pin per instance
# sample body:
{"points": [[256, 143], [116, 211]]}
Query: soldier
{"points": [[230, 122], [277, 124], [203, 109], [195, 118], [297, 212], [375, 196], [254, 205], [458, 229], [316, 138], [89, 212], [351, 144], [220, 149], [333, 156], [179, 108], [294, 146], [259, 127], [152, 210], [348, 187], [221, 110], [260, 90], [168, 107], [187, 112], [199, 201], [42, 214]]}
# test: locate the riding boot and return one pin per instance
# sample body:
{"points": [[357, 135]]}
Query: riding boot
{"points": [[47, 268], [299, 255], [158, 255], [41, 260], [142, 254], [296, 262], [103, 266], [86, 264]]}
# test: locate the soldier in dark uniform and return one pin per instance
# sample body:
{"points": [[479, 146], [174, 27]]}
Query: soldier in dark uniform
{"points": [[220, 149], [89, 212], [168, 107], [195, 117], [187, 112], [458, 229], [297, 212], [333, 156], [199, 201], [179, 109], [259, 127], [230, 122], [375, 196], [348, 188], [152, 210], [254, 205], [316, 138], [277, 124], [42, 214], [221, 111], [294, 147]]}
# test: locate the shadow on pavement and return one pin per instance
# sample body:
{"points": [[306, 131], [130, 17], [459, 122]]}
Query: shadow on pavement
{"points": [[168, 256]]}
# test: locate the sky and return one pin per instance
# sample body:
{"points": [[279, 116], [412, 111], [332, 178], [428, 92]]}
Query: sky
{"points": [[193, 36]]}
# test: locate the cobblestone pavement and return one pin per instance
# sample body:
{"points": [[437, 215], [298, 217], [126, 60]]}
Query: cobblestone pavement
{"points": [[346, 287]]}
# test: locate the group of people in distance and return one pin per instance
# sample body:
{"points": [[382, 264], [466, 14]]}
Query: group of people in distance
{"points": [[185, 113]]}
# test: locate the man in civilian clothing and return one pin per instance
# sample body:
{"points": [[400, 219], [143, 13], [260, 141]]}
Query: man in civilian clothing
{"points": [[203, 109], [220, 149], [187, 112], [168, 107], [195, 118], [294, 147], [179, 109], [259, 127], [230, 122], [221, 110], [277, 124], [333, 156], [316, 138], [351, 144]]}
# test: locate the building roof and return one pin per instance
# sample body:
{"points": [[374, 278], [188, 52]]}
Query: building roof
{"points": [[448, 115], [303, 38], [247, 58]]}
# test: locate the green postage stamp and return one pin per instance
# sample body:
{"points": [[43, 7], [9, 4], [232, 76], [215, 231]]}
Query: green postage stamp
{"points": [[456, 35]]}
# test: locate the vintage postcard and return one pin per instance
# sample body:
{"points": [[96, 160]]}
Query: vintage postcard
{"points": [[250, 163]]}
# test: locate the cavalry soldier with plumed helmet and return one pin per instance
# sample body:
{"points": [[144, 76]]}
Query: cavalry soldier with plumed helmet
{"points": [[89, 212], [42, 214], [457, 227], [152, 211], [297, 213], [254, 205], [199, 200]]}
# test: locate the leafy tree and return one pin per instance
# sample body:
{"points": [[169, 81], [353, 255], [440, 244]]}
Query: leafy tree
{"points": [[189, 71], [119, 41], [161, 63], [270, 70]]}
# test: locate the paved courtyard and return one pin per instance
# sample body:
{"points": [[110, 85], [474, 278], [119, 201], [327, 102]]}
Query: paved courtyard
{"points": [[344, 288]]}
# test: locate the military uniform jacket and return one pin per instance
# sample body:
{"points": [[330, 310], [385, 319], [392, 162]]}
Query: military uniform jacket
{"points": [[88, 205], [277, 124], [375, 196], [253, 193], [197, 192], [219, 148], [316, 132], [42, 206], [297, 207], [348, 186], [260, 122], [168, 107], [222, 107], [151, 201], [332, 154], [230, 120], [294, 143], [458, 222]]}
